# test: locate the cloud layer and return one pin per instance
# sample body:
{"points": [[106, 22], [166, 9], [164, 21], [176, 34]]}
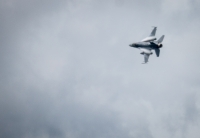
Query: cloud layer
{"points": [[67, 70]]}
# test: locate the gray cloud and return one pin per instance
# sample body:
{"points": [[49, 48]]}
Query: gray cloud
{"points": [[67, 71]]}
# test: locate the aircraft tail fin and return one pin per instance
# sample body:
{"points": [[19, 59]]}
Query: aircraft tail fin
{"points": [[161, 39], [153, 33]]}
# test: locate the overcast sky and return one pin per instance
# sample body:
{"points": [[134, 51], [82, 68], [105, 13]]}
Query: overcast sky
{"points": [[67, 70]]}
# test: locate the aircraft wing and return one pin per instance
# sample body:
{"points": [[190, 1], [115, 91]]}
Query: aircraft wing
{"points": [[153, 33], [151, 37], [146, 57], [146, 53], [145, 50]]}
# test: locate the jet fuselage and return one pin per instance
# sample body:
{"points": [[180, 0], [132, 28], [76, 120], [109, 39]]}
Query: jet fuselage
{"points": [[146, 45]]}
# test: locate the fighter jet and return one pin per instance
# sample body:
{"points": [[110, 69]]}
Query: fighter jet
{"points": [[148, 44]]}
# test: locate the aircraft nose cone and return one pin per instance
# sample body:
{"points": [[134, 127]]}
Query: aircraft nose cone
{"points": [[130, 45]]}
